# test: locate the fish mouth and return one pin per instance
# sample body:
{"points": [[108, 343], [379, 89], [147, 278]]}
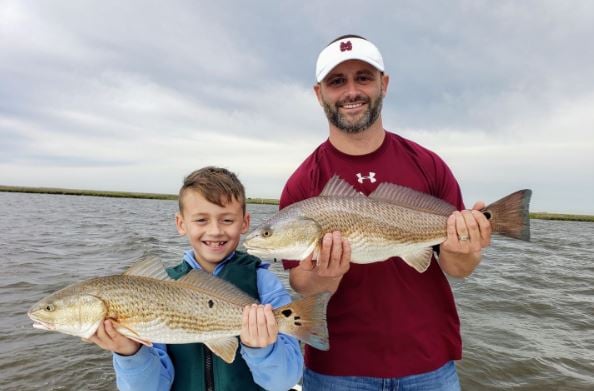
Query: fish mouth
{"points": [[251, 249], [41, 325], [258, 251], [248, 246]]}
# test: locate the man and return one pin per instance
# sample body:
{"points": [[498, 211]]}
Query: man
{"points": [[389, 325]]}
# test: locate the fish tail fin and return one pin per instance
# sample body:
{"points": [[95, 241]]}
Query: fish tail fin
{"points": [[509, 216], [305, 319]]}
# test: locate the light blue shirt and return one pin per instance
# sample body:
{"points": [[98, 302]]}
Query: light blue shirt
{"points": [[275, 367]]}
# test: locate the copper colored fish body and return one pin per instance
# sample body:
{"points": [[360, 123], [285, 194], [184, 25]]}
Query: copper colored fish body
{"points": [[392, 221], [148, 307]]}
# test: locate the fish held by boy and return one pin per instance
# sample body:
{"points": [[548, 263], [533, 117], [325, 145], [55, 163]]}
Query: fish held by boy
{"points": [[392, 221], [147, 306]]}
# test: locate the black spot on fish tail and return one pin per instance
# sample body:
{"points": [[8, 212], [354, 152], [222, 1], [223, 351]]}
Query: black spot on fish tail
{"points": [[210, 304], [509, 216], [305, 319]]}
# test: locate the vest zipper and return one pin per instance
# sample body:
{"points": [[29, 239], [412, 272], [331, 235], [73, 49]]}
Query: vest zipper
{"points": [[208, 370]]}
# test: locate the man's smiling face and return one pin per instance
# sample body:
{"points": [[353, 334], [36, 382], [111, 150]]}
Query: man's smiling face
{"points": [[352, 95]]}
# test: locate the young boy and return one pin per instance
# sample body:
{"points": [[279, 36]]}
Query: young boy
{"points": [[212, 215]]}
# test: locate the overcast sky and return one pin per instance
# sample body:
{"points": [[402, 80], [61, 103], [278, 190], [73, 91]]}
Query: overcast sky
{"points": [[133, 95]]}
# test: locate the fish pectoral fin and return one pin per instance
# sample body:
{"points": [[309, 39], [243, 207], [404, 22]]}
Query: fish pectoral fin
{"points": [[419, 261], [316, 253], [131, 334], [314, 248], [225, 348], [92, 330], [141, 341]]}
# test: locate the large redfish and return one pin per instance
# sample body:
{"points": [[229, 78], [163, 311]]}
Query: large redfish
{"points": [[148, 307], [392, 221]]}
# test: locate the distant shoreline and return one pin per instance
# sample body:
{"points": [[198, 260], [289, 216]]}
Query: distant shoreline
{"points": [[250, 200], [115, 194]]}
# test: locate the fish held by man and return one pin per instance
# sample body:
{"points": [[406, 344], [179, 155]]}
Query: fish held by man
{"points": [[149, 307], [392, 221]]}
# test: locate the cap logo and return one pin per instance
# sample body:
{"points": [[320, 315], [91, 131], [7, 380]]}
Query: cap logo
{"points": [[346, 46]]}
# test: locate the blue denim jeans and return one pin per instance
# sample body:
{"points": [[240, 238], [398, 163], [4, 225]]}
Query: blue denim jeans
{"points": [[442, 379]]}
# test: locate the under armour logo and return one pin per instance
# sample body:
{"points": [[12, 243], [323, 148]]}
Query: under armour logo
{"points": [[346, 46], [370, 177]]}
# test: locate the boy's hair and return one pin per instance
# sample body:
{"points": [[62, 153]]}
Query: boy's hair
{"points": [[218, 185]]}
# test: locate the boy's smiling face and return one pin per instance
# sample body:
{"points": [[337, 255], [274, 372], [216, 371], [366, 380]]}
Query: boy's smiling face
{"points": [[213, 231]]}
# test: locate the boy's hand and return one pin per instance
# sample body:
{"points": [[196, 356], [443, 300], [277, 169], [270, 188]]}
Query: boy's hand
{"points": [[108, 338], [259, 328]]}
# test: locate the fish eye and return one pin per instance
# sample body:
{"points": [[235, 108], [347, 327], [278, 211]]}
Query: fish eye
{"points": [[267, 233], [50, 307]]}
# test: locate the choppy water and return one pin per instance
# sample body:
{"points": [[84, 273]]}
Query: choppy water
{"points": [[527, 312]]}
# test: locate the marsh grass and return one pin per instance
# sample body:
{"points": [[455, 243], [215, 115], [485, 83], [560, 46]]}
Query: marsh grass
{"points": [[561, 216], [117, 194], [250, 200]]}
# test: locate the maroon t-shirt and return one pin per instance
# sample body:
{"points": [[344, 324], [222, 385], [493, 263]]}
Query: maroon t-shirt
{"points": [[385, 319]]}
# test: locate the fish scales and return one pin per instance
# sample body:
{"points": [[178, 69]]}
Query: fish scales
{"points": [[135, 302], [364, 215], [393, 221], [373, 228], [147, 306]]}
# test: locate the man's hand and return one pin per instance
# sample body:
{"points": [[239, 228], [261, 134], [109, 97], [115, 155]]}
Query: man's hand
{"points": [[469, 231], [258, 328], [323, 271], [108, 338], [334, 258]]}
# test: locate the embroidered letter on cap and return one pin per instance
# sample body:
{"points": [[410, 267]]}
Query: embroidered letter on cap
{"points": [[346, 46]]}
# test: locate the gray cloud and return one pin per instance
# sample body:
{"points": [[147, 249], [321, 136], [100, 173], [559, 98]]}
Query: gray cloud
{"points": [[107, 83]]}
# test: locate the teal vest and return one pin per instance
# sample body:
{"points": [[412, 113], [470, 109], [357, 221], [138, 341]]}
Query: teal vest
{"points": [[192, 361]]}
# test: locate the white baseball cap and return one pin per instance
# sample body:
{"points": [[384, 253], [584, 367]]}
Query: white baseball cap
{"points": [[350, 48]]}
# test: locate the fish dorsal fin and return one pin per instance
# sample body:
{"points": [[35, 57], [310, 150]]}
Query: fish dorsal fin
{"points": [[225, 348], [150, 267], [420, 260], [409, 198], [216, 287], [338, 187]]}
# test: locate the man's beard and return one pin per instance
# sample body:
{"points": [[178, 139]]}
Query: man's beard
{"points": [[374, 108]]}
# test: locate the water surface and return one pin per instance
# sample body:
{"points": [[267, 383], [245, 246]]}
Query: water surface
{"points": [[527, 312]]}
